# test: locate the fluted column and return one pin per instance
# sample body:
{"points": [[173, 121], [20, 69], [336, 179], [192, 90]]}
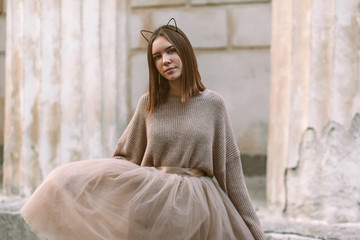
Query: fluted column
{"points": [[315, 80], [66, 85]]}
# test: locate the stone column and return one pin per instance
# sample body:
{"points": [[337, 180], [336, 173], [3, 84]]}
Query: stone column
{"points": [[66, 85], [2, 83], [315, 83]]}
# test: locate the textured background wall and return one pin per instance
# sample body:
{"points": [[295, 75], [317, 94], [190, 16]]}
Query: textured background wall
{"points": [[2, 82], [66, 85], [325, 185], [314, 80]]}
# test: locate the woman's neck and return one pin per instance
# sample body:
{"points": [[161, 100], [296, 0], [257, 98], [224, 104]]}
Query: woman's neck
{"points": [[175, 88]]}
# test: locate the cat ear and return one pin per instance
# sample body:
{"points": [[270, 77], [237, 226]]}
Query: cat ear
{"points": [[145, 31], [172, 19]]}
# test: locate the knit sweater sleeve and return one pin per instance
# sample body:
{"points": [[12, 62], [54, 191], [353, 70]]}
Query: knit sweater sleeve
{"points": [[132, 143], [228, 171]]}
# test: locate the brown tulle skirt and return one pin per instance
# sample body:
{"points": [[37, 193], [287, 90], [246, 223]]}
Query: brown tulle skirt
{"points": [[115, 199]]}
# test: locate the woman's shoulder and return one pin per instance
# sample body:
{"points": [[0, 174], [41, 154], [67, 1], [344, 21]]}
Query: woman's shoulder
{"points": [[215, 98], [143, 100]]}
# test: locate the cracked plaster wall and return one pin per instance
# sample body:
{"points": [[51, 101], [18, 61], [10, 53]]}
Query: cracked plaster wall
{"points": [[314, 80], [325, 184], [65, 75]]}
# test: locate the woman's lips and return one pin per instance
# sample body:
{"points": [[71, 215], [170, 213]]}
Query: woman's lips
{"points": [[169, 70]]}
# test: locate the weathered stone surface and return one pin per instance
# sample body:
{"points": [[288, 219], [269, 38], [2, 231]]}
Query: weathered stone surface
{"points": [[189, 20], [2, 33], [12, 225], [66, 86], [325, 185], [239, 83], [2, 97], [315, 78], [345, 92], [281, 228], [2, 90], [157, 3], [251, 25]]}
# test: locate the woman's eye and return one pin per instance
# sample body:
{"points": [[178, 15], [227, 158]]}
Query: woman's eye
{"points": [[171, 50], [157, 57]]}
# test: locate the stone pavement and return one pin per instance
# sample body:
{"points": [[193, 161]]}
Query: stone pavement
{"points": [[277, 227], [280, 228]]}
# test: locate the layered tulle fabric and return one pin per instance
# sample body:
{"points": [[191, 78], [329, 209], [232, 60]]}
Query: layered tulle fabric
{"points": [[116, 199]]}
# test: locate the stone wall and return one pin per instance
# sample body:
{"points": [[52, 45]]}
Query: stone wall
{"points": [[66, 86], [231, 40], [325, 185], [315, 81], [2, 82]]}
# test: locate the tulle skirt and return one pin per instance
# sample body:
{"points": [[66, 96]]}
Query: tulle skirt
{"points": [[115, 199]]}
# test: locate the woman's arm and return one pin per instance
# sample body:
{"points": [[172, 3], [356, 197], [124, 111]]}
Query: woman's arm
{"points": [[228, 171], [132, 143]]}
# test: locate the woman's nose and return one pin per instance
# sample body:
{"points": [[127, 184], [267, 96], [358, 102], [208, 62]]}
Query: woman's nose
{"points": [[166, 59]]}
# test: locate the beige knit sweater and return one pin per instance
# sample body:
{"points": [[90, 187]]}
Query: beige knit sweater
{"points": [[195, 134]]}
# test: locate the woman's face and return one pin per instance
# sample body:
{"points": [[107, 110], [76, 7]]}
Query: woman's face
{"points": [[166, 59]]}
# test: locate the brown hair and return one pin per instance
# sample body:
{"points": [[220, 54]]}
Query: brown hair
{"points": [[190, 77]]}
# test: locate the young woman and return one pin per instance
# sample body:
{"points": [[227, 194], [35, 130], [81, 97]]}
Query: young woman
{"points": [[160, 183]]}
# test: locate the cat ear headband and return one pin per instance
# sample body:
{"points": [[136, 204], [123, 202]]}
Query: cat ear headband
{"points": [[146, 31]]}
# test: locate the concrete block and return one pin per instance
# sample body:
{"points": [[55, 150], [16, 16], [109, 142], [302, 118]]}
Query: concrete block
{"points": [[139, 77], [12, 225], [157, 3], [251, 25], [198, 2], [2, 33], [190, 21], [237, 75]]}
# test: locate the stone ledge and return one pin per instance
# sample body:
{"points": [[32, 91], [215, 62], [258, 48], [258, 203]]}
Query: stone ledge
{"points": [[12, 225], [278, 227]]}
